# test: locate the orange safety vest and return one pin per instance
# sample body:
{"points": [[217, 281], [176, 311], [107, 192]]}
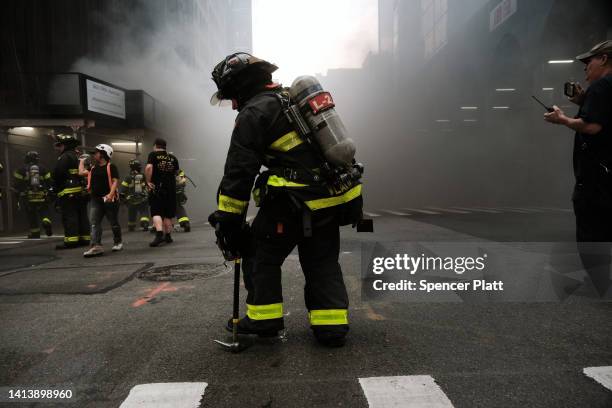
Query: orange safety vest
{"points": [[110, 180]]}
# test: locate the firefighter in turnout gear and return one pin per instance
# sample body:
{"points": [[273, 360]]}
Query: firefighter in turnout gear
{"points": [[32, 182], [71, 194], [181, 200], [297, 206], [133, 192]]}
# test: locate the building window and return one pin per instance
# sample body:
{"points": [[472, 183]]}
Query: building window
{"points": [[434, 19]]}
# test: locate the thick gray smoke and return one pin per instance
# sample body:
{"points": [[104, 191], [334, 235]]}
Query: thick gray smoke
{"points": [[405, 112], [152, 50]]}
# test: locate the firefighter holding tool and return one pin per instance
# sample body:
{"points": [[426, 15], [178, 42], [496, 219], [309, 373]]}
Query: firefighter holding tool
{"points": [[311, 187]]}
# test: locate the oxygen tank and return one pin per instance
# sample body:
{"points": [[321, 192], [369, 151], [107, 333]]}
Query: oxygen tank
{"points": [[317, 108], [34, 177], [138, 184]]}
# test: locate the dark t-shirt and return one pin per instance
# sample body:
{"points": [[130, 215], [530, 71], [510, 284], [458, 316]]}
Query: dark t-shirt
{"points": [[593, 152], [99, 180], [165, 168]]}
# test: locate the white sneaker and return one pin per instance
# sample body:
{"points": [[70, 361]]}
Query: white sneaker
{"points": [[118, 247], [95, 250]]}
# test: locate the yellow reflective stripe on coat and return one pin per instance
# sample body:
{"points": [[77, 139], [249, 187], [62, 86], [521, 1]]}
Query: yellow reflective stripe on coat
{"points": [[277, 181], [183, 219], [336, 200], [71, 239], [286, 142], [125, 184], [47, 176], [265, 312], [70, 190], [18, 175], [232, 205], [328, 317], [73, 171]]}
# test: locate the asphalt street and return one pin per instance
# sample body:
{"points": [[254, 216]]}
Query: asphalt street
{"points": [[103, 326]]}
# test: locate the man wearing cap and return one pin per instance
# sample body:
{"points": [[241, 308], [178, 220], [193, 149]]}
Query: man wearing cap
{"points": [[592, 196]]}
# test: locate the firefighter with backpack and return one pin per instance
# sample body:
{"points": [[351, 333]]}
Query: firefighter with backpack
{"points": [[311, 187], [133, 192], [32, 182]]}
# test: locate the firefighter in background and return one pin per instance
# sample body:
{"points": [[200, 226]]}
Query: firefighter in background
{"points": [[32, 183], [181, 199], [297, 207], [133, 192], [71, 194]]}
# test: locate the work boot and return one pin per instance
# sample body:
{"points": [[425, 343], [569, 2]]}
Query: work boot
{"points": [[95, 250], [332, 336], [145, 226], [67, 245], [48, 228], [168, 239], [186, 226], [159, 239], [265, 328]]}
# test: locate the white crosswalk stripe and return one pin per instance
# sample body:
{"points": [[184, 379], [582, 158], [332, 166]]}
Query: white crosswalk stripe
{"points": [[398, 213], [165, 395], [415, 391], [10, 242], [421, 211], [449, 210], [602, 375], [370, 214]]}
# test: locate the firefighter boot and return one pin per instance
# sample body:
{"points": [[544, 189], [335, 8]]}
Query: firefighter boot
{"points": [[264, 328]]}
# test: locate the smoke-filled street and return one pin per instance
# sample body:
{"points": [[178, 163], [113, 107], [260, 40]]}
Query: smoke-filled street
{"points": [[291, 203]]}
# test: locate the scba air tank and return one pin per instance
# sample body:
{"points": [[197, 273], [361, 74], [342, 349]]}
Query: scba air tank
{"points": [[317, 108]]}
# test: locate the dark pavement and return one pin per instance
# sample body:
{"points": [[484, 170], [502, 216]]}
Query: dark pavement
{"points": [[96, 327]]}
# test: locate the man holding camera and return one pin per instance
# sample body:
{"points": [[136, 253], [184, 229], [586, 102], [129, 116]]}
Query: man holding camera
{"points": [[593, 161]]}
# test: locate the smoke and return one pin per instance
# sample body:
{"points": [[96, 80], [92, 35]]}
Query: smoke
{"points": [[152, 49]]}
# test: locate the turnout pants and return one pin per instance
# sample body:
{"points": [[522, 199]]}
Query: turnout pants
{"points": [[75, 221], [38, 212], [277, 230], [136, 210], [181, 214]]}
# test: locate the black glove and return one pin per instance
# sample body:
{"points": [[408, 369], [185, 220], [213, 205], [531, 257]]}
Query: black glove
{"points": [[233, 235]]}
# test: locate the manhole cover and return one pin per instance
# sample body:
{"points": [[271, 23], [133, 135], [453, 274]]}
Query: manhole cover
{"points": [[182, 272]]}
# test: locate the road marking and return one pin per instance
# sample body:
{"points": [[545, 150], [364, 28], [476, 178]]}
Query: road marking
{"points": [[415, 391], [555, 209], [164, 287], [372, 314], [10, 242], [398, 213], [370, 214], [421, 211], [476, 209], [602, 375], [449, 210], [165, 395], [527, 210]]}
